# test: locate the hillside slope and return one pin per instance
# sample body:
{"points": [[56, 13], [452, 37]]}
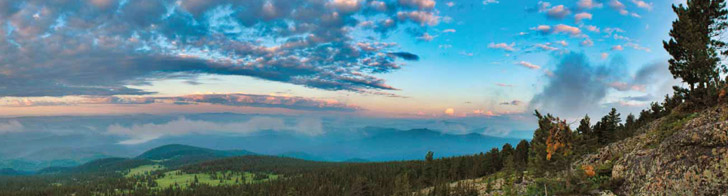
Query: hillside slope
{"points": [[693, 160], [674, 155]]}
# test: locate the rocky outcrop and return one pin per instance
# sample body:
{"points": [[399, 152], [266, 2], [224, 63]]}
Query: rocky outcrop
{"points": [[692, 161]]}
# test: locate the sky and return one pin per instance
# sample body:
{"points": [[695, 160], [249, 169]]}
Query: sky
{"points": [[494, 61]]}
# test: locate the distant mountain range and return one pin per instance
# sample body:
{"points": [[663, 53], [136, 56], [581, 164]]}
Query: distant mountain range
{"points": [[363, 145]]}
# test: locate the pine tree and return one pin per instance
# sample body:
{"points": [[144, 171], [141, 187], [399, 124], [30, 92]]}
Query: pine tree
{"points": [[630, 126], [694, 49], [520, 156], [586, 141]]}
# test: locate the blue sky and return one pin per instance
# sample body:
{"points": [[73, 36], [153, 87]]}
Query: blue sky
{"points": [[455, 60]]}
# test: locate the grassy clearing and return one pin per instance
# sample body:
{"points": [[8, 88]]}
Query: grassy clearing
{"points": [[183, 180], [144, 169]]}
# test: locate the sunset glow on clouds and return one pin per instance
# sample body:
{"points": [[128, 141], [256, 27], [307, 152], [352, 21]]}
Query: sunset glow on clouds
{"points": [[383, 58]]}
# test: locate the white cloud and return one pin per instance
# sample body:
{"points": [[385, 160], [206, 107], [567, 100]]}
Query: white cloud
{"points": [[486, 2], [637, 47], [619, 6], [609, 30], [503, 46], [146, 132], [642, 4], [426, 37], [421, 17]]}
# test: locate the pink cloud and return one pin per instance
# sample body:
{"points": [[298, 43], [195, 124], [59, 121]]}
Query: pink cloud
{"points": [[642, 4], [618, 48], [503, 85], [637, 47], [546, 47], [528, 65], [503, 46], [562, 28], [426, 37], [422, 4], [588, 4], [592, 28], [562, 42], [587, 42], [557, 12], [542, 28], [421, 17], [347, 6], [581, 16]]}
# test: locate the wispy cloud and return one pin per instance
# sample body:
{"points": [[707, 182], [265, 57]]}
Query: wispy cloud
{"points": [[514, 102], [503, 85], [486, 2], [528, 65]]}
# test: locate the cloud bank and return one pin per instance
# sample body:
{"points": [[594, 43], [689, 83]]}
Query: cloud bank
{"points": [[229, 99], [141, 133], [99, 47], [576, 87]]}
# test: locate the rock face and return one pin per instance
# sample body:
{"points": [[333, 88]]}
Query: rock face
{"points": [[692, 161]]}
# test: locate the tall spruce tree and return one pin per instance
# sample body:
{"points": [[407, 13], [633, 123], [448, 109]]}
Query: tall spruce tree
{"points": [[695, 49], [586, 140]]}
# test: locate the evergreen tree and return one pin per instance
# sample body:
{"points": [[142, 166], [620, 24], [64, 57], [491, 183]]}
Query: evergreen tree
{"points": [[429, 156], [585, 140], [630, 126], [605, 130], [520, 155], [585, 126], [506, 155], [694, 49]]}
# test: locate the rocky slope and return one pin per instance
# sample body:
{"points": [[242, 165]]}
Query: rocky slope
{"points": [[674, 155], [692, 161]]}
